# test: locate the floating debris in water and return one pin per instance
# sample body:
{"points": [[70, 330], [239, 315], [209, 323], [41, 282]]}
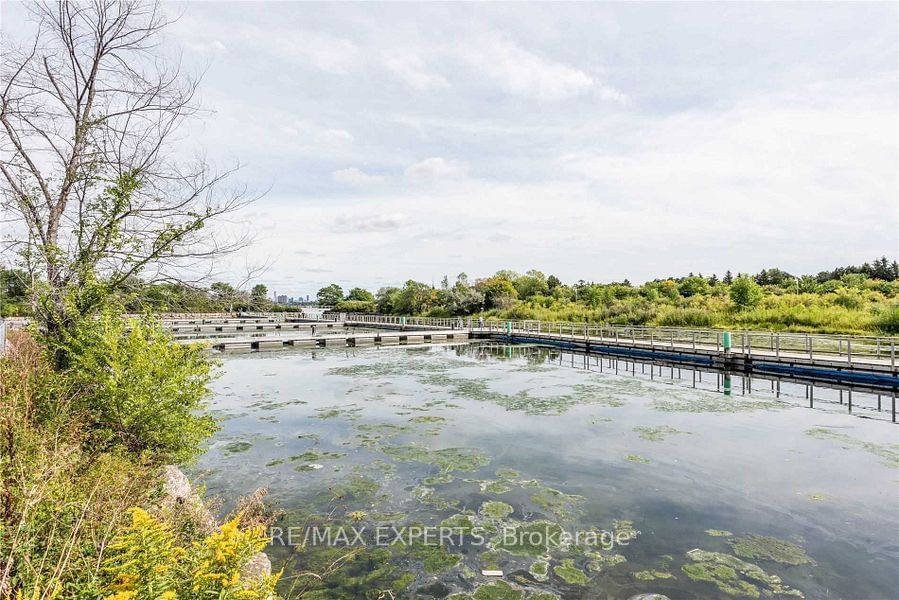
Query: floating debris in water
{"points": [[636, 458]]}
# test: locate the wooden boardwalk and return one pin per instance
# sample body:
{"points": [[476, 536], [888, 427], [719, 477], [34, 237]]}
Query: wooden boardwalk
{"points": [[713, 354], [340, 340], [862, 359]]}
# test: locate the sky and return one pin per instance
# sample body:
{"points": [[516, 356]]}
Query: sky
{"points": [[595, 141]]}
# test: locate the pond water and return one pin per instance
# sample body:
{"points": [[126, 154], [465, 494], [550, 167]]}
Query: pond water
{"points": [[573, 482]]}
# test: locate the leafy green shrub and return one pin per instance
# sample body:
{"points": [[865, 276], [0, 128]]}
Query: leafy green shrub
{"points": [[60, 496], [848, 299], [356, 306], [745, 293], [887, 320], [141, 390], [687, 317], [693, 286]]}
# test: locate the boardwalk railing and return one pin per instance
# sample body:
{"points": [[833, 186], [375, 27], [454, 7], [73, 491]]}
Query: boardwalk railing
{"points": [[809, 345]]}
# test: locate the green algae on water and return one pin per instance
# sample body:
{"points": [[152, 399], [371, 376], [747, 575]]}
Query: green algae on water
{"points": [[236, 447], [316, 455], [495, 487], [769, 548], [495, 510], [539, 570], [600, 562], [370, 434], [533, 538], [500, 590], [349, 412], [709, 402], [356, 487], [460, 523], [734, 576], [507, 473], [624, 530], [448, 459], [558, 503], [443, 478], [636, 458], [308, 467], [569, 573], [657, 434], [651, 575], [428, 496], [491, 560], [718, 533], [888, 456], [427, 419]]}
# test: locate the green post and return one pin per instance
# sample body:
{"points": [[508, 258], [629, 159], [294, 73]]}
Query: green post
{"points": [[728, 386], [726, 341], [402, 322], [508, 327]]}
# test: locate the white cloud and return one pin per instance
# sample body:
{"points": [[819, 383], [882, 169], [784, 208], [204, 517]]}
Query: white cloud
{"points": [[205, 46], [781, 152], [368, 222], [321, 50], [354, 176], [413, 71], [436, 168], [311, 133], [524, 73]]}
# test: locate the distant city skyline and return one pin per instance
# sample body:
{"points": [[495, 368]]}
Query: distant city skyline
{"points": [[600, 141]]}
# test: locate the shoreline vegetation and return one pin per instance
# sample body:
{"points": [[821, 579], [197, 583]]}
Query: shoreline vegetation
{"points": [[88, 507], [860, 300], [850, 300]]}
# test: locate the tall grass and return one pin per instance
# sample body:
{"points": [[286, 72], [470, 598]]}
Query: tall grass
{"points": [[867, 312]]}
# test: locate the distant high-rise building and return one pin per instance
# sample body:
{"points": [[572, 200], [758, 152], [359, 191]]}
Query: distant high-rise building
{"points": [[282, 299]]}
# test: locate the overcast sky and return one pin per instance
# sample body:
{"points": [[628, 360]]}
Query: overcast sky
{"points": [[590, 141]]}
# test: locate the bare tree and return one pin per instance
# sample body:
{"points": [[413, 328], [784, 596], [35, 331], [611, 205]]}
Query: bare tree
{"points": [[93, 193]]}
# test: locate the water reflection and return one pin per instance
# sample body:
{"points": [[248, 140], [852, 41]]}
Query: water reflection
{"points": [[859, 400], [525, 436]]}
